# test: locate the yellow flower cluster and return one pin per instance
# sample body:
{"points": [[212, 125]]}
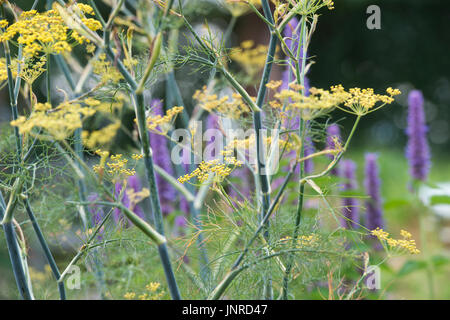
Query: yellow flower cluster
{"points": [[106, 106], [100, 137], [30, 68], [308, 7], [163, 122], [59, 122], [3, 70], [106, 70], [118, 166], [248, 143], [153, 293], [311, 240], [318, 102], [250, 57], [240, 7], [407, 243], [205, 169], [361, 101], [46, 32], [136, 197], [357, 101], [232, 107]]}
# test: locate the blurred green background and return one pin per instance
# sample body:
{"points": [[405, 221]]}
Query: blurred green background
{"points": [[411, 51]]}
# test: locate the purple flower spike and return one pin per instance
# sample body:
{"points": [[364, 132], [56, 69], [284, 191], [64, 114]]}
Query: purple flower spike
{"points": [[350, 205], [308, 150], [134, 183], [333, 131], [161, 157], [417, 150], [290, 32], [372, 183], [96, 212], [212, 121], [186, 158]]}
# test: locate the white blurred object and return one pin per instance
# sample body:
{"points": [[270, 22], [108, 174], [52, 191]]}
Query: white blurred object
{"points": [[442, 210], [442, 189]]}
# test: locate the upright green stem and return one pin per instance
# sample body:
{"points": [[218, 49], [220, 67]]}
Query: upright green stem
{"points": [[15, 255], [47, 80], [156, 206], [47, 252], [300, 76], [423, 241], [257, 125]]}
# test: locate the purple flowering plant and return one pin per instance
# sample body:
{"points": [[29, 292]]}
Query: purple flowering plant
{"points": [[217, 187]]}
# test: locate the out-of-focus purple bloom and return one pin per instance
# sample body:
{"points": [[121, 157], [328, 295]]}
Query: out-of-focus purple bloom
{"points": [[417, 150], [372, 183], [333, 131], [134, 184], [186, 158], [242, 174], [212, 121], [350, 205], [291, 33], [308, 150], [96, 212], [180, 226], [161, 157]]}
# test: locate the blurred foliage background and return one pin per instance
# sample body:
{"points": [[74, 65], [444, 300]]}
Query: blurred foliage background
{"points": [[409, 52]]}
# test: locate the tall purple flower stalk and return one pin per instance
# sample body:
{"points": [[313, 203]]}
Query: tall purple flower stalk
{"points": [[417, 150], [350, 205], [96, 213], [244, 187], [308, 150], [372, 183], [161, 157], [333, 131], [133, 183], [186, 157]]}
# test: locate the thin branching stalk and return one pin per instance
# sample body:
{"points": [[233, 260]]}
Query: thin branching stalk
{"points": [[300, 72], [257, 125], [233, 272], [15, 255]]}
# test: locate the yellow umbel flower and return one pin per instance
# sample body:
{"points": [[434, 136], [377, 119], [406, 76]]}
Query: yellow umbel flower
{"points": [[303, 241], [364, 101], [161, 124], [100, 137], [47, 32], [319, 102], [106, 70], [215, 167], [250, 57], [238, 8], [30, 68], [59, 123], [405, 244], [129, 295], [230, 107]]}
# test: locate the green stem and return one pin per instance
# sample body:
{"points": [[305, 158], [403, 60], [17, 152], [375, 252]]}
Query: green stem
{"points": [[423, 241], [156, 206], [300, 76], [47, 252], [47, 79], [233, 272], [15, 255], [257, 124]]}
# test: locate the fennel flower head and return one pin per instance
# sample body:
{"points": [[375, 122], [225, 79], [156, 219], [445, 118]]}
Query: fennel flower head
{"points": [[417, 150]]}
